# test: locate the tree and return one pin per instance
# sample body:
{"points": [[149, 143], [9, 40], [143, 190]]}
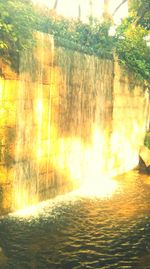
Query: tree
{"points": [[131, 47], [132, 50], [79, 12], [140, 11], [55, 4], [106, 9], [119, 6], [17, 22]]}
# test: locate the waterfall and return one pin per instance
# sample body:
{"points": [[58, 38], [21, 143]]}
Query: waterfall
{"points": [[85, 116], [33, 125], [72, 120], [64, 115]]}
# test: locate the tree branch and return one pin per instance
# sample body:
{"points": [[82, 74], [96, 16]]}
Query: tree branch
{"points": [[116, 9], [55, 4]]}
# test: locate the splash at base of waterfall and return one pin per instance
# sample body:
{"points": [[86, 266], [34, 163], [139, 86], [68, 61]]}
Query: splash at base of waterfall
{"points": [[100, 189]]}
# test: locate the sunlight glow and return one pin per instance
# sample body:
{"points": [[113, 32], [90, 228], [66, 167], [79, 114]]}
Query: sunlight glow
{"points": [[81, 162], [86, 165], [101, 190], [22, 201], [39, 112], [68, 156], [1, 89], [101, 187], [121, 150], [28, 211], [69, 8]]}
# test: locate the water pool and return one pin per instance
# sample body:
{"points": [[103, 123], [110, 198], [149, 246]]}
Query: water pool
{"points": [[77, 231]]}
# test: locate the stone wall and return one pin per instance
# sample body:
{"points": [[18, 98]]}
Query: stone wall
{"points": [[130, 108], [8, 93], [66, 118]]}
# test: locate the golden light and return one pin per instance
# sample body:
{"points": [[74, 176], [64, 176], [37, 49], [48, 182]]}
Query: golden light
{"points": [[27, 212], [1, 89], [39, 208], [101, 187], [89, 165], [95, 8], [22, 200], [90, 162], [79, 161], [39, 111], [85, 164]]}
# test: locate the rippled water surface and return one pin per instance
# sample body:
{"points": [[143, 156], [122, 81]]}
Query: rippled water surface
{"points": [[76, 231]]}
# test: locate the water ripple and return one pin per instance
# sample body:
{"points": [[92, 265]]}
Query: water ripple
{"points": [[82, 232]]}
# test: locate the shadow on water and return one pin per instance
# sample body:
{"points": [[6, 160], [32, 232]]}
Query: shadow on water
{"points": [[77, 231]]}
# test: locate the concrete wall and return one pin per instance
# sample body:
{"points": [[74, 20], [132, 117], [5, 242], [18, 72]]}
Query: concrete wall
{"points": [[66, 117], [130, 108]]}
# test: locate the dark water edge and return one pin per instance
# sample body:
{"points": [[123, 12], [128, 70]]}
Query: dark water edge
{"points": [[77, 231]]}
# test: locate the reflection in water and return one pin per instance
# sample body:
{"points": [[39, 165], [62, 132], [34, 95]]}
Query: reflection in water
{"points": [[80, 231]]}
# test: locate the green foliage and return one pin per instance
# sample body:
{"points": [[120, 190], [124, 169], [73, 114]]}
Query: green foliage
{"points": [[140, 11], [17, 21], [91, 39], [131, 47], [129, 44], [132, 50]]}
